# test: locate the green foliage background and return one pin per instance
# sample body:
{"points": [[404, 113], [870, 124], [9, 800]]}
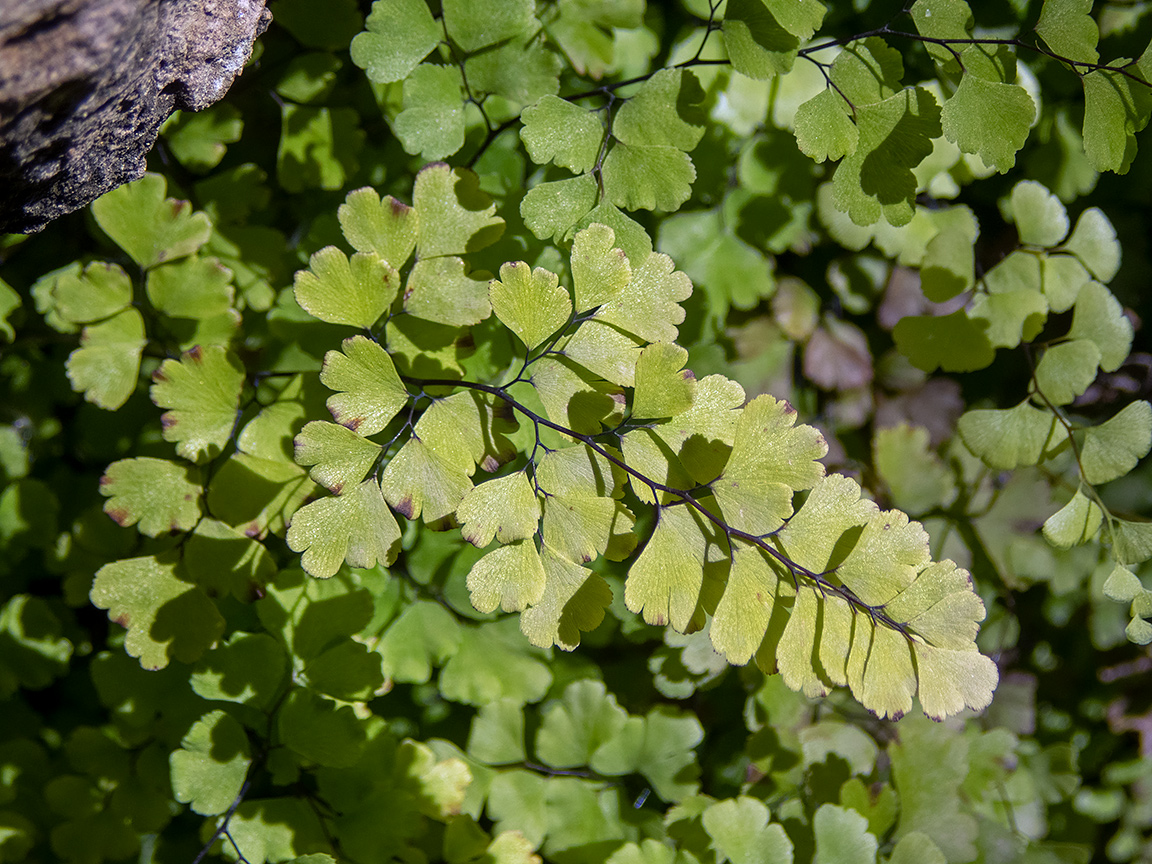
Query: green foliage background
{"points": [[924, 229]]}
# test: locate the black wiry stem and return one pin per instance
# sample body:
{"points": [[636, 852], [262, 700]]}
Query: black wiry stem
{"points": [[684, 496]]}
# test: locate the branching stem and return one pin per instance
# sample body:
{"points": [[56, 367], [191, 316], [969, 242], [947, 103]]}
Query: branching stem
{"points": [[796, 571]]}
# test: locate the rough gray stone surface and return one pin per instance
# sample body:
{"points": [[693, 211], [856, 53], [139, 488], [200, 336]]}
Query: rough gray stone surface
{"points": [[85, 85]]}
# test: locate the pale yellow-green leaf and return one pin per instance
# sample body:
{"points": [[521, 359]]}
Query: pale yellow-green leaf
{"points": [[950, 680], [755, 584], [1097, 315], [419, 483], [771, 458], [1007, 438], [509, 577], [835, 638], [369, 392], [336, 456], [889, 678], [581, 528], [530, 302], [886, 557], [664, 584], [833, 506], [574, 601], [342, 291], [1122, 585], [797, 647], [605, 351], [599, 270], [574, 397], [579, 471], [649, 306], [355, 527], [381, 225], [445, 291], [505, 508], [467, 429], [663, 387]]}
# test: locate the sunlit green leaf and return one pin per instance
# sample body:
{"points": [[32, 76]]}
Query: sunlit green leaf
{"points": [[1066, 370], [1041, 219], [381, 225], [342, 291], [150, 228], [649, 305], [1115, 109], [530, 302], [154, 494], [399, 34], [167, 617], [336, 456], [443, 290], [1098, 317], [504, 507], [356, 527], [665, 110], [989, 118], [1068, 29], [202, 392], [868, 188], [762, 36], [467, 429], [1094, 242], [558, 131], [771, 458], [824, 129], [454, 215], [510, 577], [648, 176], [663, 387], [750, 604], [600, 271], [369, 393], [552, 209]]}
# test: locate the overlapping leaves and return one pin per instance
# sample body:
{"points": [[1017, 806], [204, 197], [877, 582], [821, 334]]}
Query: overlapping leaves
{"points": [[833, 592]]}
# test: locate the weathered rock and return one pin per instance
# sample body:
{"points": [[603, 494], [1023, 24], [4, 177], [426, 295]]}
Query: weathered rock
{"points": [[85, 85]]}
